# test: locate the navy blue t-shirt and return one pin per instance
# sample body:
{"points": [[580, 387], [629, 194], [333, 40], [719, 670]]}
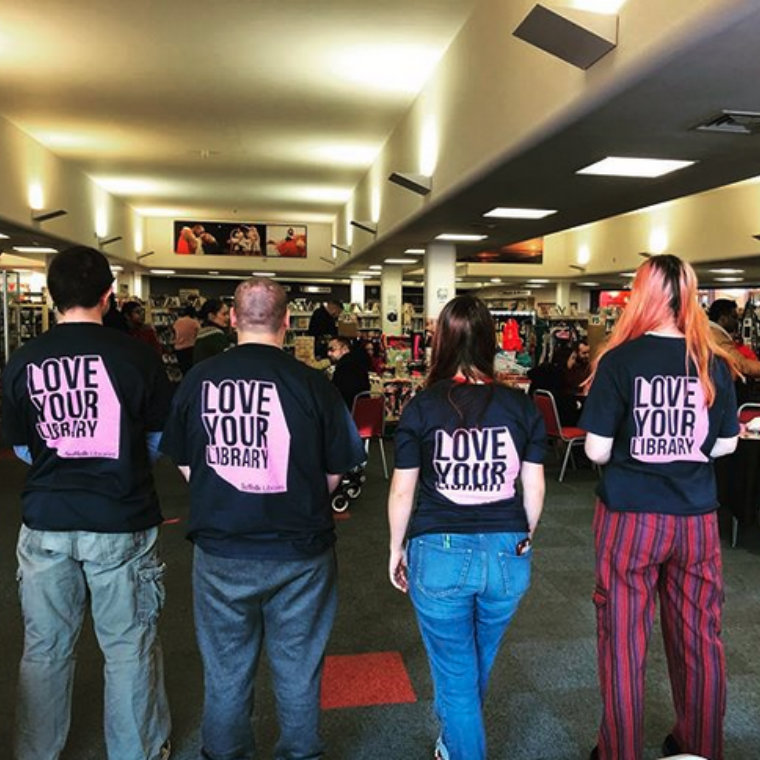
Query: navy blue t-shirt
{"points": [[469, 441], [644, 398], [82, 397], [260, 431]]}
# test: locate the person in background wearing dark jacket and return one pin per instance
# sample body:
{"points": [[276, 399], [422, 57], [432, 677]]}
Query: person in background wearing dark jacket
{"points": [[323, 325], [134, 314], [113, 318], [212, 338], [350, 376]]}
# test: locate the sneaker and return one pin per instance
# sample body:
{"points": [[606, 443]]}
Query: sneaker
{"points": [[165, 751], [670, 746]]}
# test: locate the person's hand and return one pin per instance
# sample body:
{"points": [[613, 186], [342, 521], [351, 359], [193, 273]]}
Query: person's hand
{"points": [[397, 570]]}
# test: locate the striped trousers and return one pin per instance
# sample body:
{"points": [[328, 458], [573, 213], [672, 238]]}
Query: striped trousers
{"points": [[640, 556]]}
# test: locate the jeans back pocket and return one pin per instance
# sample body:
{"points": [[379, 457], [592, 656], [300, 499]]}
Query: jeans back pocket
{"points": [[439, 571]]}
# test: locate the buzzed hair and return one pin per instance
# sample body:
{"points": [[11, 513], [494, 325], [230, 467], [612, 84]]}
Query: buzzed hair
{"points": [[260, 304]]}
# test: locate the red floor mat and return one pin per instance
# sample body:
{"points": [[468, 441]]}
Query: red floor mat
{"points": [[357, 680]]}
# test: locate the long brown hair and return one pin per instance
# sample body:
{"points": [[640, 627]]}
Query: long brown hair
{"points": [[464, 341], [666, 287]]}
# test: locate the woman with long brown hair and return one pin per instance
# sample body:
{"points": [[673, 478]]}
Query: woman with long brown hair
{"points": [[661, 407], [465, 440]]}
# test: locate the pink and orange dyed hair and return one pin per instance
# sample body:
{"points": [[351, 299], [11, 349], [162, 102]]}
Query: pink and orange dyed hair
{"points": [[664, 294]]}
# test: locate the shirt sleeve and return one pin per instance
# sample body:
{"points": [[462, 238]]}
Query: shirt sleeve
{"points": [[343, 448], [725, 390], [407, 438], [605, 404], [535, 446], [14, 416]]}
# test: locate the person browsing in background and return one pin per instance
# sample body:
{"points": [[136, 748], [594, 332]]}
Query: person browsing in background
{"points": [[578, 369], [134, 314], [212, 338], [323, 325], [84, 407], [660, 408], [263, 440], [113, 318], [465, 441], [185, 328], [552, 376], [349, 377], [724, 325]]}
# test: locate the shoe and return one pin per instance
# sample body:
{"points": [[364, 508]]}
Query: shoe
{"points": [[165, 751], [594, 754], [670, 746]]}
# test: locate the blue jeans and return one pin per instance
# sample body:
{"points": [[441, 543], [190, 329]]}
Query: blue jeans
{"points": [[123, 575], [465, 588], [237, 601]]}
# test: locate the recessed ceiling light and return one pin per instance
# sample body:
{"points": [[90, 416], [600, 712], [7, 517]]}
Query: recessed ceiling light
{"points": [[729, 279], [162, 271], [34, 249], [263, 274], [519, 213], [537, 281], [616, 166], [589, 284], [726, 271], [3, 237], [415, 251], [116, 268], [401, 261], [213, 272], [455, 237], [376, 267], [628, 274], [496, 279], [368, 273]]}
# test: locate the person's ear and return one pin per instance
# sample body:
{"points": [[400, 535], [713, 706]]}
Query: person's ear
{"points": [[233, 317], [103, 300]]}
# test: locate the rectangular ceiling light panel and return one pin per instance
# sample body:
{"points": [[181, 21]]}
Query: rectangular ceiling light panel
{"points": [[617, 166]]}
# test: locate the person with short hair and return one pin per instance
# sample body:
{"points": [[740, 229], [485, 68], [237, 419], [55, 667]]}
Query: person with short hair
{"points": [[185, 329], [212, 338], [263, 440], [724, 324], [466, 441], [84, 406], [134, 314], [323, 325], [660, 409], [349, 376]]}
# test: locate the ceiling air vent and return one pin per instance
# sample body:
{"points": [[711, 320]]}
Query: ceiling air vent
{"points": [[732, 122]]}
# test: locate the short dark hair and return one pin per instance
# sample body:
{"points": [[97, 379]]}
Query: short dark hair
{"points": [[131, 306], [342, 340], [78, 276], [722, 307]]}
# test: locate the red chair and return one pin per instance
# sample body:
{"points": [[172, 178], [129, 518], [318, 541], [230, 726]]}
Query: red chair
{"points": [[555, 431], [369, 417]]}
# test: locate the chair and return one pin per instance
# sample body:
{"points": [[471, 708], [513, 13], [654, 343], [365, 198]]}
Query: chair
{"points": [[745, 413], [369, 417], [555, 431]]}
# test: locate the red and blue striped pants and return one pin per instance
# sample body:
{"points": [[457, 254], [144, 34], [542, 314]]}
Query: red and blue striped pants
{"points": [[640, 556]]}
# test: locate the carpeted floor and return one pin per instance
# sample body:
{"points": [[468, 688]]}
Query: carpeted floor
{"points": [[543, 703]]}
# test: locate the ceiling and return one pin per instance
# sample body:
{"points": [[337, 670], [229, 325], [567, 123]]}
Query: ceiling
{"points": [[275, 109]]}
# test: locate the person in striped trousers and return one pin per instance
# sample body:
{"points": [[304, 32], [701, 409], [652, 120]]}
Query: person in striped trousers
{"points": [[661, 407]]}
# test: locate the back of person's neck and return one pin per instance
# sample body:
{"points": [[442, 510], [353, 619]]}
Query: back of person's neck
{"points": [[261, 338], [75, 314]]}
